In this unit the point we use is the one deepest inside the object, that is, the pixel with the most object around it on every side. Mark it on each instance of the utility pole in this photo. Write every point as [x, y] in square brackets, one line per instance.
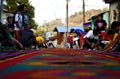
[67, 29]
[118, 10]
[67, 17]
[1, 9]
[83, 11]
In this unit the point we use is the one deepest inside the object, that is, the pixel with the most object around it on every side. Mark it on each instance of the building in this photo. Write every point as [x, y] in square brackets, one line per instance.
[105, 17]
[114, 10]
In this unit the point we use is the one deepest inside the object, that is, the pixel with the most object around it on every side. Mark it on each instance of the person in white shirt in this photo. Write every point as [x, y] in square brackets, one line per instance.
[18, 22]
[92, 39]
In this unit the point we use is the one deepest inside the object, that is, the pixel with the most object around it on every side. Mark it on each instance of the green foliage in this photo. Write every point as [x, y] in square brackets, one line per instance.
[11, 5]
[40, 31]
[33, 24]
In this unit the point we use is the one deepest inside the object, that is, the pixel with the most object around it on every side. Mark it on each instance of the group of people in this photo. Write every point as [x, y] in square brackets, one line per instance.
[17, 31]
[98, 38]
[18, 34]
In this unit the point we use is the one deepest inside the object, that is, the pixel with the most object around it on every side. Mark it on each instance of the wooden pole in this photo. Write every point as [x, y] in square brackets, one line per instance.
[1, 9]
[118, 10]
[67, 30]
[67, 17]
[83, 12]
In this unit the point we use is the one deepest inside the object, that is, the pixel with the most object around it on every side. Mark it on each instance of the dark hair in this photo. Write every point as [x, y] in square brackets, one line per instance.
[110, 32]
[21, 7]
[9, 17]
[95, 31]
[115, 24]
[72, 30]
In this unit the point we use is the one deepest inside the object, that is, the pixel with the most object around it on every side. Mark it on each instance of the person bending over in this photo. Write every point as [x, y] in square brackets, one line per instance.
[6, 35]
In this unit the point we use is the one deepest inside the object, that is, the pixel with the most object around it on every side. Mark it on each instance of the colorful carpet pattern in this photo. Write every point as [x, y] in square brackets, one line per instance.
[61, 64]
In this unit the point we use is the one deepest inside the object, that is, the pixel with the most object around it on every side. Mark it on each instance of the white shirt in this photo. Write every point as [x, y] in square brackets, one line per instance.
[89, 34]
[19, 19]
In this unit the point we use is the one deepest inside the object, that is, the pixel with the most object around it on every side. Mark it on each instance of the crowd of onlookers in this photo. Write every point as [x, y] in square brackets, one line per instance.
[98, 38]
[17, 33]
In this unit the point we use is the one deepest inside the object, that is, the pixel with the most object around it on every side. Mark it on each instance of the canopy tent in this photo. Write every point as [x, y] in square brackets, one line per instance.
[87, 24]
[64, 28]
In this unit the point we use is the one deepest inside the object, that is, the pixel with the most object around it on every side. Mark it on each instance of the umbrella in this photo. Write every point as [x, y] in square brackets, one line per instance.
[79, 31]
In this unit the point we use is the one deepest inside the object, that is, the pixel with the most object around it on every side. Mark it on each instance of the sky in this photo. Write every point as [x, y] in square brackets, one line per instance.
[48, 10]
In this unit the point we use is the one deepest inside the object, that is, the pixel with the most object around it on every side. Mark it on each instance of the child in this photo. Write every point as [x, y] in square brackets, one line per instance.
[71, 37]
[113, 40]
[114, 44]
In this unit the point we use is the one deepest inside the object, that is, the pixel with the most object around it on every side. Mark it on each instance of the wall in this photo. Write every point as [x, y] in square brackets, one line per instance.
[113, 7]
[106, 18]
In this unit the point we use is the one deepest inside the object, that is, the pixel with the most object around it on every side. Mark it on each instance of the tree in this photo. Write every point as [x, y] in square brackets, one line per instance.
[11, 5]
[40, 31]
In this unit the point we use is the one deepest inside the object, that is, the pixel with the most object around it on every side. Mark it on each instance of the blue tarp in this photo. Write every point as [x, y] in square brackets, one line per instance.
[87, 24]
[79, 31]
[64, 28]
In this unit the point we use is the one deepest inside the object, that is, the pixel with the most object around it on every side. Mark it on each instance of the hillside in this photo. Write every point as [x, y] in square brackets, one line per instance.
[77, 18]
[74, 20]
